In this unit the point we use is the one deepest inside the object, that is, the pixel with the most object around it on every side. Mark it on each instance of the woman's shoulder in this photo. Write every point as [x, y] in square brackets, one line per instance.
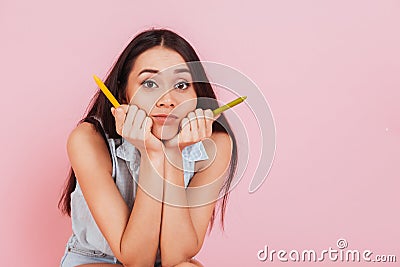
[221, 137]
[219, 144]
[85, 131]
[86, 144]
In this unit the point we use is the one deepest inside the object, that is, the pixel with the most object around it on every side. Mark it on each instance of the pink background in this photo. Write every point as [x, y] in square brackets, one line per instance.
[329, 70]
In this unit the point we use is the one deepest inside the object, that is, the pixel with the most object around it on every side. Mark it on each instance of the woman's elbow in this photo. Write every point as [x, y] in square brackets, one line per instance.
[137, 258]
[137, 261]
[186, 263]
[174, 259]
[134, 254]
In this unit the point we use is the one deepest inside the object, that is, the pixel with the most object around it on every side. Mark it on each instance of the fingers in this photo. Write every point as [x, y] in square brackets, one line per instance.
[201, 122]
[135, 126]
[215, 117]
[185, 131]
[193, 125]
[209, 119]
[130, 117]
[140, 117]
[147, 124]
[197, 125]
[119, 114]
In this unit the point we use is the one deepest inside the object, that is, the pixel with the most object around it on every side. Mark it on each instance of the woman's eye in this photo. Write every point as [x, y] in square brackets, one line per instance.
[182, 85]
[149, 84]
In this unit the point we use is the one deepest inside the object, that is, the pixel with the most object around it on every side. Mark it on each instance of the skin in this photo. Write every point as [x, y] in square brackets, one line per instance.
[164, 92]
[134, 237]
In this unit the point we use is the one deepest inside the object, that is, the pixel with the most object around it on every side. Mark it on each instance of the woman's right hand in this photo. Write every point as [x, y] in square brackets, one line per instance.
[134, 125]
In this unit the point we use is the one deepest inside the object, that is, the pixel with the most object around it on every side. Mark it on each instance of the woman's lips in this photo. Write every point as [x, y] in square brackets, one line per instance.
[164, 119]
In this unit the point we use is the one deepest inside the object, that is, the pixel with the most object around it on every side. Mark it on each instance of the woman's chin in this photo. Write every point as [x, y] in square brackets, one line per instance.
[165, 135]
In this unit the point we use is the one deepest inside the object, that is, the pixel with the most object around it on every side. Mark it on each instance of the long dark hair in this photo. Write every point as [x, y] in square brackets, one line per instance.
[116, 82]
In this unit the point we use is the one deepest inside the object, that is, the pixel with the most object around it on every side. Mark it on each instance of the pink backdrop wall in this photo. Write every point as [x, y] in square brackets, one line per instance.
[329, 70]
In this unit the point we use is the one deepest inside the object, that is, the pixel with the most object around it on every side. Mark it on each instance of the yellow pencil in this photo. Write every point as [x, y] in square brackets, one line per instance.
[229, 105]
[107, 92]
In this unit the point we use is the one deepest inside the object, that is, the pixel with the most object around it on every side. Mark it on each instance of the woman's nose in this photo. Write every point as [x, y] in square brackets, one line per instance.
[166, 100]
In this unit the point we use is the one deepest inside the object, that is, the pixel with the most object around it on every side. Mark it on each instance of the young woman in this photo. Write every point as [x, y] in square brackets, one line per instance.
[145, 177]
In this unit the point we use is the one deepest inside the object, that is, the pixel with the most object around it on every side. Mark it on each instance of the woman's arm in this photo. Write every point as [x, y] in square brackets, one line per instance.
[183, 228]
[133, 237]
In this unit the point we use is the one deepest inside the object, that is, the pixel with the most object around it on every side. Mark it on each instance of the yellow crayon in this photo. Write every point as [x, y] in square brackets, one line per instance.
[107, 92]
[229, 105]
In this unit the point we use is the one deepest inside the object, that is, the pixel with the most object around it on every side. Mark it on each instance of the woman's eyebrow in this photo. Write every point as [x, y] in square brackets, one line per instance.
[156, 71]
[148, 70]
[181, 70]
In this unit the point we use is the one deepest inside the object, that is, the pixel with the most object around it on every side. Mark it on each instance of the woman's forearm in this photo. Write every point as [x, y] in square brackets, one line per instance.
[178, 240]
[140, 239]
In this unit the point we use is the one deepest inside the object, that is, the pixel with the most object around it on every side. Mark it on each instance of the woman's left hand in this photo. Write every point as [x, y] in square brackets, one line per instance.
[196, 127]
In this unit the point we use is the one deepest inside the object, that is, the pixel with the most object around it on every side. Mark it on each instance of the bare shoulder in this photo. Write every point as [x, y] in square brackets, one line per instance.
[86, 147]
[85, 136]
[221, 139]
[219, 145]
[84, 130]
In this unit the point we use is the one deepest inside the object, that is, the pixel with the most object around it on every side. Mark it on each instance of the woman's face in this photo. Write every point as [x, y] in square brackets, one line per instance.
[160, 83]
